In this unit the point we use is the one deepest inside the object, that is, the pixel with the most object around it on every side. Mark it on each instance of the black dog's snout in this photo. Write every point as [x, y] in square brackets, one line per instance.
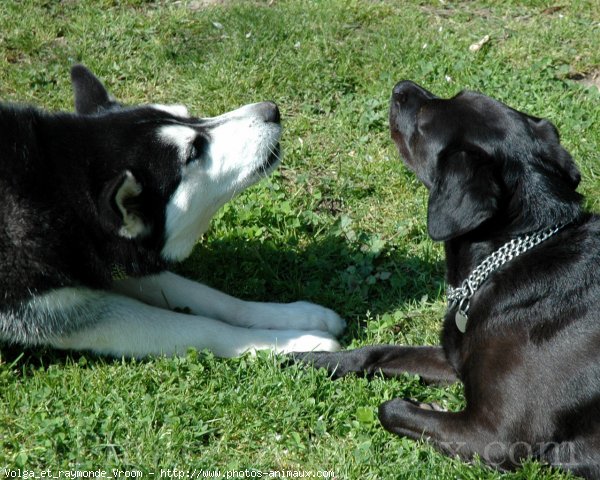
[402, 90]
[269, 112]
[406, 90]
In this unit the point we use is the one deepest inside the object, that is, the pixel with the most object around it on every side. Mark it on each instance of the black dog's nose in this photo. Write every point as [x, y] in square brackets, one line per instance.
[269, 112]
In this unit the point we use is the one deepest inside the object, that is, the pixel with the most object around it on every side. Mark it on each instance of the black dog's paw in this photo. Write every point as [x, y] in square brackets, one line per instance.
[392, 415]
[407, 417]
[426, 406]
[403, 417]
[398, 409]
[390, 412]
[330, 361]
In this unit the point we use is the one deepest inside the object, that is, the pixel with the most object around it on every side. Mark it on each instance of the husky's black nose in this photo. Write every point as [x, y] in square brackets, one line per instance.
[269, 112]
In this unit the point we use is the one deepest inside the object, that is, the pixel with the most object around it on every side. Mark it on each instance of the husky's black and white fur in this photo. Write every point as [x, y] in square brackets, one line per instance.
[130, 189]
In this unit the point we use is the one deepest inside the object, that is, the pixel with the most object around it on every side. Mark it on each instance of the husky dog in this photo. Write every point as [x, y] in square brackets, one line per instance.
[113, 191]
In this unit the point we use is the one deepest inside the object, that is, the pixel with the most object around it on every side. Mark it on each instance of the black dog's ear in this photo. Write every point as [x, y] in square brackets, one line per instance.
[120, 206]
[569, 168]
[90, 94]
[463, 196]
[554, 152]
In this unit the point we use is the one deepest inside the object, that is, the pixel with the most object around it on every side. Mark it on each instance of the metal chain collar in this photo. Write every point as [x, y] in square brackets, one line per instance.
[461, 296]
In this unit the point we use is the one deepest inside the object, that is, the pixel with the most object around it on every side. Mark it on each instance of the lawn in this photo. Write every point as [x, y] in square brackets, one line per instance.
[341, 223]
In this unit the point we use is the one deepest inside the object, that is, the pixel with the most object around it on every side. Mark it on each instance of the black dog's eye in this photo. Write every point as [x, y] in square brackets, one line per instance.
[197, 149]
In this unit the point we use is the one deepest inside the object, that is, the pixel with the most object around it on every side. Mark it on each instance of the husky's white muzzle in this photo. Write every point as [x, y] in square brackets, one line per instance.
[238, 148]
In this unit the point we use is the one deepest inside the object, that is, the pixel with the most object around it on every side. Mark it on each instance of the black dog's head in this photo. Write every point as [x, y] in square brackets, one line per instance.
[483, 162]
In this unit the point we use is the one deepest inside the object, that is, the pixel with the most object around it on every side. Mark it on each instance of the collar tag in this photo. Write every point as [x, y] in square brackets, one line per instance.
[461, 321]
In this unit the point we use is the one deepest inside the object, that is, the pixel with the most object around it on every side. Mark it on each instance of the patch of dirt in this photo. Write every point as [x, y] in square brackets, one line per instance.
[200, 4]
[591, 79]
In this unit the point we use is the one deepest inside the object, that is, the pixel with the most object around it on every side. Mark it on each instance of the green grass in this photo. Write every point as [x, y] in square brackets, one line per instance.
[342, 223]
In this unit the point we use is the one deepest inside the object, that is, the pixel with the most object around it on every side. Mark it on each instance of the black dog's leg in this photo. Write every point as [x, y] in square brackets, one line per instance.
[428, 362]
[469, 433]
[462, 434]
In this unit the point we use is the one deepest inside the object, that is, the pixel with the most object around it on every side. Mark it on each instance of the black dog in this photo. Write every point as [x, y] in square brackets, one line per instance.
[522, 330]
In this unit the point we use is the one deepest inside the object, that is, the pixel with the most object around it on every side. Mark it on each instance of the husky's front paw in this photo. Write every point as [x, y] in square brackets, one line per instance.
[289, 316]
[308, 342]
[309, 316]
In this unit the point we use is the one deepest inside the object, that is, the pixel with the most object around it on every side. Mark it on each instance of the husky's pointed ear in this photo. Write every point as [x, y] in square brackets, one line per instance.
[465, 195]
[120, 206]
[90, 94]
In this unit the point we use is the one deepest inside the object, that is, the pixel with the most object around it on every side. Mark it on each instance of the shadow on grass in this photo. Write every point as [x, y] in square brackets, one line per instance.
[349, 277]
[23, 361]
[352, 278]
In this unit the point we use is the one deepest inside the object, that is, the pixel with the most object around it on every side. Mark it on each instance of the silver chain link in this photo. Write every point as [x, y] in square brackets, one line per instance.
[462, 295]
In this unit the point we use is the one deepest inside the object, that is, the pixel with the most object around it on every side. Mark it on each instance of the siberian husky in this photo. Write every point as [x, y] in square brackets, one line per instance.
[110, 191]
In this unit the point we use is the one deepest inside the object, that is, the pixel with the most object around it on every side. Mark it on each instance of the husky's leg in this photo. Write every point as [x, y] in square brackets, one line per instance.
[168, 290]
[108, 323]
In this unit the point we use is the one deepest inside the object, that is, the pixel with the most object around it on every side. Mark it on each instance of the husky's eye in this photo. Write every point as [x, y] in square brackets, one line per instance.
[197, 149]
[192, 155]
